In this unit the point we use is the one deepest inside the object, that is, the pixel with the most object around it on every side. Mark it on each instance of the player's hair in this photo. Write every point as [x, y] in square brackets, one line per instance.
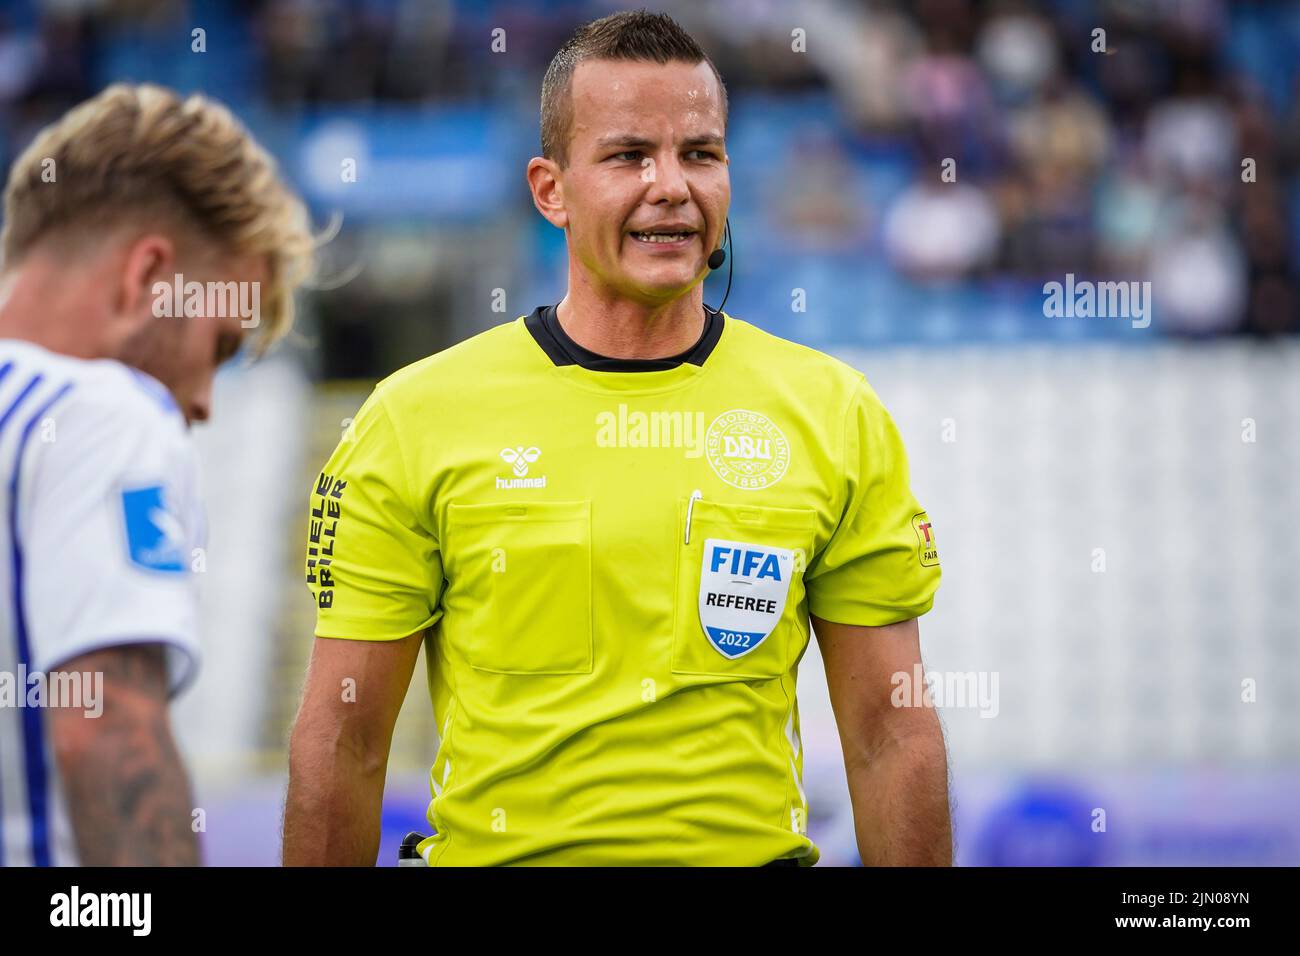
[629, 35]
[142, 156]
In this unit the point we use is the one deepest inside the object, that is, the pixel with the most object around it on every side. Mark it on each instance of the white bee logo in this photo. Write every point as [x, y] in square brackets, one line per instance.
[168, 525]
[521, 458]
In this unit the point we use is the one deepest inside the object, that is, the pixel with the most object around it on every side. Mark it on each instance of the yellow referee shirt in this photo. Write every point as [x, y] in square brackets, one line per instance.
[616, 560]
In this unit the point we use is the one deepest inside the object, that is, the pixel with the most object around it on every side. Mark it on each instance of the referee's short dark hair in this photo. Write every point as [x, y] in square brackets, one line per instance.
[628, 35]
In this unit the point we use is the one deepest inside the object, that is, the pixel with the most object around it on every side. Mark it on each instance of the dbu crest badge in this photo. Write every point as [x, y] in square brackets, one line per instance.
[743, 588]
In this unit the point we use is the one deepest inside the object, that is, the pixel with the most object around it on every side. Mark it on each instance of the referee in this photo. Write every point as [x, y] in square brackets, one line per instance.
[609, 522]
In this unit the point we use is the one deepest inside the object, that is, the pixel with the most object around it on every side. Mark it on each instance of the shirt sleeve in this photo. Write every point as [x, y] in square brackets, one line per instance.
[881, 564]
[373, 568]
[109, 524]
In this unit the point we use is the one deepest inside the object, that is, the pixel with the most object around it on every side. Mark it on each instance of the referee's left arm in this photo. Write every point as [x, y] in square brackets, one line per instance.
[894, 757]
[867, 587]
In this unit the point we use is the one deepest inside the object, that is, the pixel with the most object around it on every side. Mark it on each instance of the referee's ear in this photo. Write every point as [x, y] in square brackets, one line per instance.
[546, 182]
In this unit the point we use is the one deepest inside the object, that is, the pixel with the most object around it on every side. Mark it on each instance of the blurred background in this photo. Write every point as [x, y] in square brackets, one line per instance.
[1116, 502]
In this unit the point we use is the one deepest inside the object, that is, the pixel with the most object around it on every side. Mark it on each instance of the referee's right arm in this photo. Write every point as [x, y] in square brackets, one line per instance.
[374, 574]
[338, 750]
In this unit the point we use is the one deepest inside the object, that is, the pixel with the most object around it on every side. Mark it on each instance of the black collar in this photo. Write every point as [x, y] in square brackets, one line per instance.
[562, 350]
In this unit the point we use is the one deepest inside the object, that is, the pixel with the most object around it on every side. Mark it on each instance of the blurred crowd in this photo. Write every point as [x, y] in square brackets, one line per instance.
[1132, 139]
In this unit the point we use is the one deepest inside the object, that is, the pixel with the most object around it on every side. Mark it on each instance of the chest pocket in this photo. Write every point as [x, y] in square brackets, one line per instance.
[525, 570]
[739, 591]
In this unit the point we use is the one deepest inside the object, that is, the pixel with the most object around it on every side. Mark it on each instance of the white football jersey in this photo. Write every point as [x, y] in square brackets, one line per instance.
[100, 526]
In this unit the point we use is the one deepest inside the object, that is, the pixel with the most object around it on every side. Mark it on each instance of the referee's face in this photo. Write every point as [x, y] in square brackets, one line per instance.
[647, 159]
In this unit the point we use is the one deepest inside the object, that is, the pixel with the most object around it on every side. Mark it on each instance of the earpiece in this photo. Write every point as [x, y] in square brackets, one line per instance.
[718, 256]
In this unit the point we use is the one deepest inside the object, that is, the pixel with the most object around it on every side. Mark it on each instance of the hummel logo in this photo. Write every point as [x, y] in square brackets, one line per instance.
[521, 458]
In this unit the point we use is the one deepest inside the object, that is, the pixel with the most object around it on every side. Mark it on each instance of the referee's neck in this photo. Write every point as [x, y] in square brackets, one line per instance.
[618, 327]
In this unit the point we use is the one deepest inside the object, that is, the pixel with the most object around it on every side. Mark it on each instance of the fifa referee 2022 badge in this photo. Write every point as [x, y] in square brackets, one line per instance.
[610, 523]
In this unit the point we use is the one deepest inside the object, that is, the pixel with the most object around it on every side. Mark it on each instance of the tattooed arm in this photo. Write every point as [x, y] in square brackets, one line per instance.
[127, 791]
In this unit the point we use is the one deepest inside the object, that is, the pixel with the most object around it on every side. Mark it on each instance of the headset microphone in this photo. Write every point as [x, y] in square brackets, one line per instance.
[718, 256]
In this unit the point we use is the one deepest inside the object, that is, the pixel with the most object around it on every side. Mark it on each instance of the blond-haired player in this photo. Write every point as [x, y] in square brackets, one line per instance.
[129, 197]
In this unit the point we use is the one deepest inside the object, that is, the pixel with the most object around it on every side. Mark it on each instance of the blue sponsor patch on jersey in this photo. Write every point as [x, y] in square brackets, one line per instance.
[154, 535]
